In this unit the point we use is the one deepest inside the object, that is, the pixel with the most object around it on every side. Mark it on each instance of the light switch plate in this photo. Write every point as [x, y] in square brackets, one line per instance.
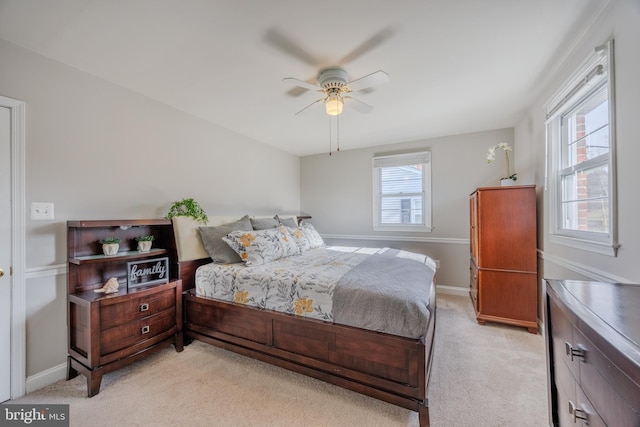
[41, 211]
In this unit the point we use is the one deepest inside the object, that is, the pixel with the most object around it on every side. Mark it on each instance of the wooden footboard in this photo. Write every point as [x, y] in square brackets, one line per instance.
[383, 366]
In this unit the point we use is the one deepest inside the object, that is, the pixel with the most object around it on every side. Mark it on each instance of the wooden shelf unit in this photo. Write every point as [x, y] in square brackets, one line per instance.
[107, 332]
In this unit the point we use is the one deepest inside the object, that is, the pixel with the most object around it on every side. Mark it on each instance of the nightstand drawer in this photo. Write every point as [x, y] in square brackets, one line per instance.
[112, 315]
[126, 335]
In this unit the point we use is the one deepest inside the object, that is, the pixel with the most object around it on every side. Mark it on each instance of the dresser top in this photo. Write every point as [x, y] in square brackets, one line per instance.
[616, 305]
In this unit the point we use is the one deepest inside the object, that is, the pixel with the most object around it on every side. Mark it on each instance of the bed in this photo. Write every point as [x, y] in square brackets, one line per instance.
[292, 309]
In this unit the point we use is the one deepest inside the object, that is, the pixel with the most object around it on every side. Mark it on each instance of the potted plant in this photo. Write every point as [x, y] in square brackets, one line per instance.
[187, 207]
[110, 245]
[144, 243]
[491, 155]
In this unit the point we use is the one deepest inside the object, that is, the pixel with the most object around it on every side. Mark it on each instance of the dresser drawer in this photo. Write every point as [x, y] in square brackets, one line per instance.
[563, 343]
[566, 392]
[127, 335]
[596, 372]
[114, 314]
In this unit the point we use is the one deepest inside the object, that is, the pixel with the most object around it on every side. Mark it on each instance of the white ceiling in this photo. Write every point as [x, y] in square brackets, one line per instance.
[455, 66]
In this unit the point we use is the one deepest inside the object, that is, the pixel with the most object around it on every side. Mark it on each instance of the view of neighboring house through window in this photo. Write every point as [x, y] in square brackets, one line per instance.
[582, 157]
[402, 192]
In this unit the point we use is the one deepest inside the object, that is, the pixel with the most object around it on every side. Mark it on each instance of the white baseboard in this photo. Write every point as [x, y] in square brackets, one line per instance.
[453, 290]
[44, 378]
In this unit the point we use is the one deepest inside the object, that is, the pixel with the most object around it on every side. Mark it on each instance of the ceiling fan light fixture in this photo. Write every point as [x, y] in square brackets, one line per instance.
[334, 106]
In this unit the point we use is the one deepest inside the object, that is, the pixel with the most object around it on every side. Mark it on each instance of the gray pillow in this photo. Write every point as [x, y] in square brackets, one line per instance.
[264, 223]
[287, 222]
[218, 250]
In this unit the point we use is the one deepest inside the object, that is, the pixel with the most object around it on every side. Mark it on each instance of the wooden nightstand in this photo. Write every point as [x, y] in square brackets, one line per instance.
[109, 331]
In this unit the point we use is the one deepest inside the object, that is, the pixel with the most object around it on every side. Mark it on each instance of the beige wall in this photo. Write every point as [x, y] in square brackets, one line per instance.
[337, 192]
[98, 151]
[620, 21]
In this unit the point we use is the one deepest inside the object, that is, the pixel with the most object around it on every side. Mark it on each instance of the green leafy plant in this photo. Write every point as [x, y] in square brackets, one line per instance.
[187, 207]
[109, 240]
[148, 238]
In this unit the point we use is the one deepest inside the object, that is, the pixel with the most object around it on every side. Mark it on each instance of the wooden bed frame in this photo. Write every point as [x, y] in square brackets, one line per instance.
[387, 367]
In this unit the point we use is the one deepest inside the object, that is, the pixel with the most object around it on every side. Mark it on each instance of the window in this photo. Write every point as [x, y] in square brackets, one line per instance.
[581, 152]
[402, 192]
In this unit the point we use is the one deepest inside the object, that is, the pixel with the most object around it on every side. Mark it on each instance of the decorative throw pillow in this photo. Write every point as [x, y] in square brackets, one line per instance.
[300, 238]
[259, 247]
[218, 250]
[315, 240]
[288, 242]
[264, 223]
[287, 222]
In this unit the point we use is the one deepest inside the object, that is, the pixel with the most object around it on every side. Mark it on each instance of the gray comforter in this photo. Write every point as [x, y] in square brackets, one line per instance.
[388, 293]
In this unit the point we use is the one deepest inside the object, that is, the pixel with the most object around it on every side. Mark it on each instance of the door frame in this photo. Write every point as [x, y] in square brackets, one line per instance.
[18, 253]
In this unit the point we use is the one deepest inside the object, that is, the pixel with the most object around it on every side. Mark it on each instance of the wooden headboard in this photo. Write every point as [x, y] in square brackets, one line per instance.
[190, 250]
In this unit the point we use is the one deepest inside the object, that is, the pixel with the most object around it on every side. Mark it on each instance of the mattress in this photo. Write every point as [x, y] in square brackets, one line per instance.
[380, 289]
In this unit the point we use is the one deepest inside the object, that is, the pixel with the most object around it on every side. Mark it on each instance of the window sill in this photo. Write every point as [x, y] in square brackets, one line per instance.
[586, 245]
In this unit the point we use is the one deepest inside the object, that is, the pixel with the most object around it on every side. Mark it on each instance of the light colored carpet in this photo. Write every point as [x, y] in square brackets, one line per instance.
[482, 376]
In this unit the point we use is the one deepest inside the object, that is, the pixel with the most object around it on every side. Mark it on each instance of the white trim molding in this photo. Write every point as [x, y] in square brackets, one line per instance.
[46, 377]
[442, 240]
[585, 270]
[453, 290]
[46, 271]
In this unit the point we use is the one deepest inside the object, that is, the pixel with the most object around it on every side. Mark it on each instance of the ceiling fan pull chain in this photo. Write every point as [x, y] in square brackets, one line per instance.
[330, 135]
[338, 132]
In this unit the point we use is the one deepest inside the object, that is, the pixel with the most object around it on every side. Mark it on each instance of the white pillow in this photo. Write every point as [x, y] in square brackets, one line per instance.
[315, 240]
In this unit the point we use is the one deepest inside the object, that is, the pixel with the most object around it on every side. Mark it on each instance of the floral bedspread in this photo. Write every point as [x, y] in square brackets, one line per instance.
[305, 285]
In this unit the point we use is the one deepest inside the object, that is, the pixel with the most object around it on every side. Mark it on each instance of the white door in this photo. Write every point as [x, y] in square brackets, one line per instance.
[5, 254]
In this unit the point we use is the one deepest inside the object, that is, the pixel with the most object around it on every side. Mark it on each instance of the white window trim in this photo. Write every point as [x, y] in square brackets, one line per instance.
[568, 95]
[426, 226]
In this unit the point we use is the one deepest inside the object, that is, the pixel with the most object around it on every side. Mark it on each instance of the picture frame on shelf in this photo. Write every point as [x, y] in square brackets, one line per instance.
[147, 272]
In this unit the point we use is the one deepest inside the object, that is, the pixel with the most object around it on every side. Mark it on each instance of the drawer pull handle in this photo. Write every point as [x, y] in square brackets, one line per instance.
[144, 307]
[573, 352]
[144, 330]
[576, 414]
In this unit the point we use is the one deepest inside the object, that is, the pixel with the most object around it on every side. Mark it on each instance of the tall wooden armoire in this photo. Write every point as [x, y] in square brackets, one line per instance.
[503, 255]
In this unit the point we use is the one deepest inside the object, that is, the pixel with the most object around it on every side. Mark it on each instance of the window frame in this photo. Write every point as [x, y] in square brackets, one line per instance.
[585, 84]
[397, 160]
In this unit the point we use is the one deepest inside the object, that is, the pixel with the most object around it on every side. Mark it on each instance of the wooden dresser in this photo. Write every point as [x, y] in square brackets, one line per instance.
[108, 331]
[593, 353]
[503, 283]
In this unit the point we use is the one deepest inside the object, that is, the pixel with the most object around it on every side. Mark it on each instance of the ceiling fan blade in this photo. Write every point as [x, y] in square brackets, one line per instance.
[357, 105]
[368, 81]
[284, 43]
[309, 106]
[296, 82]
[369, 44]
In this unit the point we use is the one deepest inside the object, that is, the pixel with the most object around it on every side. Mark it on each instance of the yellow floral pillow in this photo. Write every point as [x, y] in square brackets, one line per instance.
[259, 247]
[300, 238]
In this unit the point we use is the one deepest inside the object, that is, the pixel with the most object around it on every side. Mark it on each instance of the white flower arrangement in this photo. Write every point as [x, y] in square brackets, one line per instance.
[491, 156]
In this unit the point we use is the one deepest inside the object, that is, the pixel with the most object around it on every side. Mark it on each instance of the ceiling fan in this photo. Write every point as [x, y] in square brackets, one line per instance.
[336, 88]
